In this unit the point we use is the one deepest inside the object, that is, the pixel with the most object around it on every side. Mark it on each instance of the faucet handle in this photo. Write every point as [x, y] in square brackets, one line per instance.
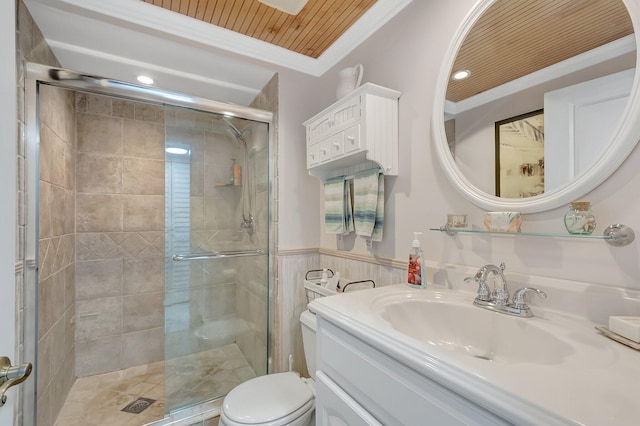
[518, 296]
[483, 290]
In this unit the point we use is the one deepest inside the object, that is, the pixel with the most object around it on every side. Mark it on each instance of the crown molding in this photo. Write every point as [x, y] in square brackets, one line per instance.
[149, 19]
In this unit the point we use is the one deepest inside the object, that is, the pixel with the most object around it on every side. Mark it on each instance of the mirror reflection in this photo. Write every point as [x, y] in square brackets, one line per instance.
[547, 83]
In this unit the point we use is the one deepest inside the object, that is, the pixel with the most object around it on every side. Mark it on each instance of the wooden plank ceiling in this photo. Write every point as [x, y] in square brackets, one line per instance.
[514, 38]
[310, 33]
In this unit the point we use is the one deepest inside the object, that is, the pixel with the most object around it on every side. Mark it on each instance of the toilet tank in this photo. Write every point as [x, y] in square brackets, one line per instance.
[309, 327]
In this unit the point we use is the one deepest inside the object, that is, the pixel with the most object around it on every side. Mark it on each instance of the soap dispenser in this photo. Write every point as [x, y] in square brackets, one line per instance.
[325, 278]
[416, 264]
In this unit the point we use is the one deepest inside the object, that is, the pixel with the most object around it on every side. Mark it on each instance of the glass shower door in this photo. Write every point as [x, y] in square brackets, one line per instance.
[216, 262]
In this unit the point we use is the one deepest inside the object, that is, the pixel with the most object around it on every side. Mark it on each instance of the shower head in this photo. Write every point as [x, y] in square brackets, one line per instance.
[235, 131]
[247, 217]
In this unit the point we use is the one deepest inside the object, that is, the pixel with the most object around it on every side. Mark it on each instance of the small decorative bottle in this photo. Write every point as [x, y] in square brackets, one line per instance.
[580, 218]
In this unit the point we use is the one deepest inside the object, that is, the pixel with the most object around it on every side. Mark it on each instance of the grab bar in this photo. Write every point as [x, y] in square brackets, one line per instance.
[217, 255]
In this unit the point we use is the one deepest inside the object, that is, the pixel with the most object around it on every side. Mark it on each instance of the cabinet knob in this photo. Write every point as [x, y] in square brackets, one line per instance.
[313, 156]
[351, 139]
[336, 145]
[323, 150]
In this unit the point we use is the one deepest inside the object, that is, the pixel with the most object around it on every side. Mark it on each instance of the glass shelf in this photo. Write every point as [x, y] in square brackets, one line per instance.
[616, 235]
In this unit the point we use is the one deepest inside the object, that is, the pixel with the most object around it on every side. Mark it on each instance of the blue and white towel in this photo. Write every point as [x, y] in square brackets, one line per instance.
[368, 204]
[338, 216]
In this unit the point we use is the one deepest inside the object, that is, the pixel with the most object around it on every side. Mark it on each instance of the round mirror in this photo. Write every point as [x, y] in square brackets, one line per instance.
[548, 109]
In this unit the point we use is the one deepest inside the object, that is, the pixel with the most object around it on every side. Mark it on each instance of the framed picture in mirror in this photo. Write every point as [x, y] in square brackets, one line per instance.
[519, 155]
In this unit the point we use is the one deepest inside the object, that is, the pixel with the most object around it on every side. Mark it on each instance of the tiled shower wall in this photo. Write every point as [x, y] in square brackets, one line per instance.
[119, 234]
[31, 46]
[56, 286]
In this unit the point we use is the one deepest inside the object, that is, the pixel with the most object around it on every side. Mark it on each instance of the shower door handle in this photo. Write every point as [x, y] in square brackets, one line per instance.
[217, 255]
[11, 376]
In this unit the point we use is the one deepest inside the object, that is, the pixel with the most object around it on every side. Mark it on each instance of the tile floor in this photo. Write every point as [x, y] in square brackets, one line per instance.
[190, 379]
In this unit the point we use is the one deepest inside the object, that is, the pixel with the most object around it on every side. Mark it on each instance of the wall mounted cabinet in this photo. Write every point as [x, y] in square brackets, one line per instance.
[361, 127]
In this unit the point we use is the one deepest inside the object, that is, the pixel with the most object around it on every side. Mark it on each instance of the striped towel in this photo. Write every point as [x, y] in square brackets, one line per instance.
[368, 204]
[338, 218]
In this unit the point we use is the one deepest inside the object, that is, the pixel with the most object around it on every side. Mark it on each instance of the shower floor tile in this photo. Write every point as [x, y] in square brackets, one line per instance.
[97, 400]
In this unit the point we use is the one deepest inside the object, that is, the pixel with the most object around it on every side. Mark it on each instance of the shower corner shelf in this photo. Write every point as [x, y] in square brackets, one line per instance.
[617, 235]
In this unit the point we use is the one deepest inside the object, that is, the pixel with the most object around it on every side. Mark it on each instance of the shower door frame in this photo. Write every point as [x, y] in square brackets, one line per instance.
[36, 74]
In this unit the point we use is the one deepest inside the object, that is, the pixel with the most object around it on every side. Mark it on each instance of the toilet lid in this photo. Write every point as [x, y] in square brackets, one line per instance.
[266, 398]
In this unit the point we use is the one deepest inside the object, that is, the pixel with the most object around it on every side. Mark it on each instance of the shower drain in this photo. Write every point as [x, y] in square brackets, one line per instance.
[138, 406]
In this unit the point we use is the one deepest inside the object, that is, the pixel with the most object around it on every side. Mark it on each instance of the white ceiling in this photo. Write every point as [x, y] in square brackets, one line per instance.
[120, 39]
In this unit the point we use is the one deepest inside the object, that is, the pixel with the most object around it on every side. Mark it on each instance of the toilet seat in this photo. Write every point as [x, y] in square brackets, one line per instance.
[274, 399]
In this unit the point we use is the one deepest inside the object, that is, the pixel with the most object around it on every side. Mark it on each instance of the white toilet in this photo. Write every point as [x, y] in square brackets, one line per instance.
[277, 399]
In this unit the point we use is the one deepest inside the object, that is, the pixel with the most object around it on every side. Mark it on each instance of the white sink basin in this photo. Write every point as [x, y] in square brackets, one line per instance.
[552, 363]
[456, 325]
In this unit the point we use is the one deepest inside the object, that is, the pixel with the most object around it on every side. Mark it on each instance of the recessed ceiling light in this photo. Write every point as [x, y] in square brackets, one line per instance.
[461, 75]
[176, 150]
[292, 7]
[144, 79]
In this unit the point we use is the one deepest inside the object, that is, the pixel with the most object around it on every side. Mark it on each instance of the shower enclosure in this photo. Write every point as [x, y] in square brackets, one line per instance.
[151, 231]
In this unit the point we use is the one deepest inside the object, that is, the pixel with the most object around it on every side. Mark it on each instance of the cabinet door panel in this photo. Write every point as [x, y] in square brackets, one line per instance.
[346, 113]
[390, 391]
[319, 128]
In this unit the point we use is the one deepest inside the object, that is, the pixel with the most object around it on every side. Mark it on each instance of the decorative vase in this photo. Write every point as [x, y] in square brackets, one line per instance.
[580, 219]
[348, 80]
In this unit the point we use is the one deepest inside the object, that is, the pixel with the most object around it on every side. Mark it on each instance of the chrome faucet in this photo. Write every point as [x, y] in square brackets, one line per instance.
[500, 293]
[498, 299]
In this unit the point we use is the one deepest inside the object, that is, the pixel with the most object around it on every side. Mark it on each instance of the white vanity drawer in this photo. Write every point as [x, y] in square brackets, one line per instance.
[391, 392]
[337, 145]
[352, 138]
[335, 407]
[324, 150]
[313, 155]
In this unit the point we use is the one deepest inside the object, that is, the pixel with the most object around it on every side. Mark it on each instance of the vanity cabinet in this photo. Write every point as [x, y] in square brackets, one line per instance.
[361, 127]
[361, 382]
[337, 407]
